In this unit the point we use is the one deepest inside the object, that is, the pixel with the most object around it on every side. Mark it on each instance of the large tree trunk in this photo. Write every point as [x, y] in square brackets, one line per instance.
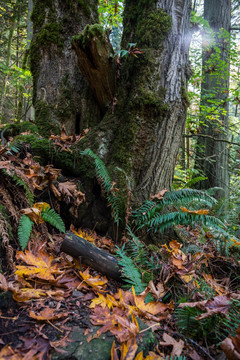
[140, 115]
[60, 93]
[212, 154]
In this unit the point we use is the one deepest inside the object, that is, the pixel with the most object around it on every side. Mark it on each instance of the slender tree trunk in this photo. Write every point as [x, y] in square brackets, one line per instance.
[212, 156]
[8, 56]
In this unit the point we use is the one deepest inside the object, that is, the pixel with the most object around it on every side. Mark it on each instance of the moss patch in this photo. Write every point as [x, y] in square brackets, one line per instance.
[89, 32]
[153, 28]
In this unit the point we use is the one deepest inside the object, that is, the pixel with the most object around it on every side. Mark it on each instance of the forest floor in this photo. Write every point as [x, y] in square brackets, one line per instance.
[52, 306]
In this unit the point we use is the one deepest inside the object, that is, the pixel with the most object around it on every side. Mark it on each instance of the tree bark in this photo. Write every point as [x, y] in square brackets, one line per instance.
[212, 156]
[136, 119]
[60, 92]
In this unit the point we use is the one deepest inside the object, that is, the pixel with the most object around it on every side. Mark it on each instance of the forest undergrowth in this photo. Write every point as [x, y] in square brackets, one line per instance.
[180, 268]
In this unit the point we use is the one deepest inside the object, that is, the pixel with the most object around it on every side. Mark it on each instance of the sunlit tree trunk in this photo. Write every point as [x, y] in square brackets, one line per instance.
[212, 153]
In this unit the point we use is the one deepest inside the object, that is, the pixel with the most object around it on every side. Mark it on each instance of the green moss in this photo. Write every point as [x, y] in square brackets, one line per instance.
[88, 33]
[44, 119]
[50, 34]
[39, 12]
[71, 164]
[153, 28]
[185, 97]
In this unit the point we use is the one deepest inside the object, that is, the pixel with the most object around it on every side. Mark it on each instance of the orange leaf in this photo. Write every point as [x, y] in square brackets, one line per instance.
[47, 314]
[95, 282]
[198, 212]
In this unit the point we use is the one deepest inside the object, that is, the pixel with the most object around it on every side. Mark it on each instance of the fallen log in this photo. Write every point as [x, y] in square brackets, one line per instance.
[91, 255]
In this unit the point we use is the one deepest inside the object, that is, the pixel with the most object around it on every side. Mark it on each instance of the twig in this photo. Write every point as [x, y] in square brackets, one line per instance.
[194, 343]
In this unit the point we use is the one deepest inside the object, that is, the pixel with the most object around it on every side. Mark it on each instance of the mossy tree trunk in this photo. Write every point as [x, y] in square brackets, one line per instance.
[61, 94]
[137, 118]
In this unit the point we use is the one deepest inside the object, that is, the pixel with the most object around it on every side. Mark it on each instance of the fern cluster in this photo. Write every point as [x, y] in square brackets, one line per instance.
[26, 224]
[162, 215]
[105, 180]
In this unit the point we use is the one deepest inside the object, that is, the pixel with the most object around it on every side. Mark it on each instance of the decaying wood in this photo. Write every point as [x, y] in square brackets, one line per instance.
[96, 64]
[91, 255]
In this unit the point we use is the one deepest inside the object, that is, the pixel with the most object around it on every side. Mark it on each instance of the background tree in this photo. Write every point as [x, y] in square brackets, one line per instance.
[211, 152]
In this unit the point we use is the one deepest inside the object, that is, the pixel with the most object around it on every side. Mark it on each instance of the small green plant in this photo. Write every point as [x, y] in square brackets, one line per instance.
[45, 213]
[131, 273]
[105, 180]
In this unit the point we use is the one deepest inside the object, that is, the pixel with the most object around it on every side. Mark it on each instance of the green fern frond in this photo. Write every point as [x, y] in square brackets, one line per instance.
[21, 182]
[105, 179]
[28, 192]
[162, 222]
[50, 216]
[137, 250]
[131, 273]
[24, 230]
[172, 198]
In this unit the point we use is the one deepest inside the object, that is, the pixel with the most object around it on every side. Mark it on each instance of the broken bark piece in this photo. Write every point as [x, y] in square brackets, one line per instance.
[91, 255]
[95, 60]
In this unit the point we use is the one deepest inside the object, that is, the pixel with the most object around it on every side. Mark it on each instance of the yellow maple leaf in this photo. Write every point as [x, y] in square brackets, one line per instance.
[40, 265]
[103, 301]
[153, 307]
[94, 282]
[83, 234]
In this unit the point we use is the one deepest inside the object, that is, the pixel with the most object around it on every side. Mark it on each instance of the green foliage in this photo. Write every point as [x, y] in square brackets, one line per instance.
[131, 273]
[24, 230]
[196, 329]
[216, 327]
[105, 180]
[26, 224]
[161, 215]
[50, 216]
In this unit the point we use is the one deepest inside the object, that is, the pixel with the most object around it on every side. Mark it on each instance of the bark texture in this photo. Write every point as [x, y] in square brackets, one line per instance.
[136, 111]
[212, 156]
[155, 101]
[61, 94]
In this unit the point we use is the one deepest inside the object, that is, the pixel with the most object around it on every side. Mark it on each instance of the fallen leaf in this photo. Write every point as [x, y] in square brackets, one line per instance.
[159, 195]
[47, 314]
[198, 212]
[177, 345]
[94, 282]
[41, 268]
[219, 305]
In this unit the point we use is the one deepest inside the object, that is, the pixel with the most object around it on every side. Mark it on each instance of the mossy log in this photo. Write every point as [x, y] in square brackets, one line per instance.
[91, 255]
[95, 60]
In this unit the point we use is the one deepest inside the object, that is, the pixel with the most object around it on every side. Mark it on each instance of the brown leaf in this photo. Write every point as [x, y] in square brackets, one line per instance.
[220, 304]
[230, 350]
[157, 291]
[159, 195]
[47, 314]
[177, 345]
[3, 283]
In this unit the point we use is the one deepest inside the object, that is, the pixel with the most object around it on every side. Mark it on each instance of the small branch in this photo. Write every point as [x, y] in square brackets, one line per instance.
[213, 138]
